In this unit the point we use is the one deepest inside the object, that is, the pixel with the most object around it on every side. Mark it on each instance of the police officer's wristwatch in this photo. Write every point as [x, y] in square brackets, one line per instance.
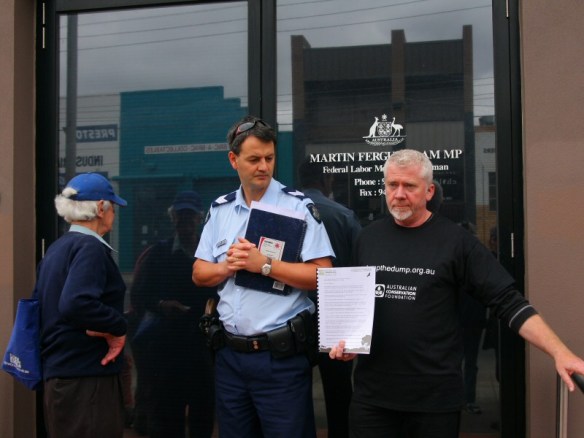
[267, 268]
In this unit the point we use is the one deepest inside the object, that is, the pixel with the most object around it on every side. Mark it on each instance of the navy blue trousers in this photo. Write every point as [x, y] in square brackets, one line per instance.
[259, 396]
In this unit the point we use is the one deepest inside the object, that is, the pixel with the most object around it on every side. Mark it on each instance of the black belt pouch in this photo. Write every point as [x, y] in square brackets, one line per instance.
[281, 342]
[304, 329]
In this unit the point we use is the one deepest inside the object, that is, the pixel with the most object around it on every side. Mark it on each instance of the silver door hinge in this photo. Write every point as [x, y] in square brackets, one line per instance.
[512, 245]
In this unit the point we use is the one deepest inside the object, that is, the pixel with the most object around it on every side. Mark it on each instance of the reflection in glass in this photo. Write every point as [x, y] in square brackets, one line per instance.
[146, 97]
[357, 81]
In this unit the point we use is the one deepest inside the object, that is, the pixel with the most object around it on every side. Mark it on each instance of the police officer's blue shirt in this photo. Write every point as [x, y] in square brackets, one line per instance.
[247, 311]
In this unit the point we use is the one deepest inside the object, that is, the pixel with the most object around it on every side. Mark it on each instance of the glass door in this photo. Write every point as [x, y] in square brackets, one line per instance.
[146, 97]
[357, 81]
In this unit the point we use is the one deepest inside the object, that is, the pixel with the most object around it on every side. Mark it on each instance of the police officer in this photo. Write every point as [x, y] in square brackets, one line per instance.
[258, 392]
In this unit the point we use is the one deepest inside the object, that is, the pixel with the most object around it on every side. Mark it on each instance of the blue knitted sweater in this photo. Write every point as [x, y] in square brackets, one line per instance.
[79, 288]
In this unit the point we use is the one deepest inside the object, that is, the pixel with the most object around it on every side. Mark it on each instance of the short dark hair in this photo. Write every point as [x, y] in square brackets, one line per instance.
[435, 202]
[260, 129]
[310, 174]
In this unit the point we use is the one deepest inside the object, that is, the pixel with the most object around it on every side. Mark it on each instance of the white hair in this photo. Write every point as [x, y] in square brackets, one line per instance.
[411, 157]
[72, 210]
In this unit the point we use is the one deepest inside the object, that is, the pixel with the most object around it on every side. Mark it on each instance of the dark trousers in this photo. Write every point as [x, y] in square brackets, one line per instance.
[337, 388]
[84, 407]
[173, 377]
[471, 337]
[172, 393]
[367, 421]
[259, 396]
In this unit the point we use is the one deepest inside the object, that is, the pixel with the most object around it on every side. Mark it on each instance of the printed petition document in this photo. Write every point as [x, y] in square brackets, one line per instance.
[346, 301]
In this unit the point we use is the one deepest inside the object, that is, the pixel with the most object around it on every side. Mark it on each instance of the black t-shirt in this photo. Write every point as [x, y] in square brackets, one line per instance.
[416, 350]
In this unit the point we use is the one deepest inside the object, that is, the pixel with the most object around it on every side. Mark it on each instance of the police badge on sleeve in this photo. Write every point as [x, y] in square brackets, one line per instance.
[314, 212]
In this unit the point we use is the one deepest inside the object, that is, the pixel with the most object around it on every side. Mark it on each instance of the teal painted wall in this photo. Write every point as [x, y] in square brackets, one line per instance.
[174, 117]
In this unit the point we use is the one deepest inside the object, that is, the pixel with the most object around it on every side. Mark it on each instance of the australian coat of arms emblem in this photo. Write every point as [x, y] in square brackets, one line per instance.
[384, 133]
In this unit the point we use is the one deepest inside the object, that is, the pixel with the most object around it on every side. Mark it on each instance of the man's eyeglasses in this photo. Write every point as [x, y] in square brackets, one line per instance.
[246, 127]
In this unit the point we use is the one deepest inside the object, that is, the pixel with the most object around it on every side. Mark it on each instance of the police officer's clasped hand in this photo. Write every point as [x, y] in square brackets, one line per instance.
[244, 255]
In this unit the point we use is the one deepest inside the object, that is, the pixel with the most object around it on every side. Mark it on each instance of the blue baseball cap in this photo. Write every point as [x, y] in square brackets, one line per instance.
[188, 200]
[94, 187]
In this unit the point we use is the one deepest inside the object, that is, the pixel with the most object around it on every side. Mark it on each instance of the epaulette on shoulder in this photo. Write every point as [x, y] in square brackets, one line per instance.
[293, 192]
[225, 199]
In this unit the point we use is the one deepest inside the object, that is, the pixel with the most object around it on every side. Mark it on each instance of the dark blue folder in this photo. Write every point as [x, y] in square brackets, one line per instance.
[266, 224]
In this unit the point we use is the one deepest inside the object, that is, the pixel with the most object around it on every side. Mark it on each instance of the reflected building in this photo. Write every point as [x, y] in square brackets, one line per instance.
[340, 94]
[171, 140]
[485, 177]
[152, 144]
[424, 88]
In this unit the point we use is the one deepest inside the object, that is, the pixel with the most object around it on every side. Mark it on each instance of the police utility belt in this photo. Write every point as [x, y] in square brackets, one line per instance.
[298, 335]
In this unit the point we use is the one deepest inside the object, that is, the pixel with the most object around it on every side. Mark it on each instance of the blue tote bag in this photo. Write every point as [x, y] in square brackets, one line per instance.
[22, 359]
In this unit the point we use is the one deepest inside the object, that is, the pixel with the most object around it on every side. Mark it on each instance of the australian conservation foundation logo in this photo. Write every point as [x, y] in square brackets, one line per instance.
[384, 133]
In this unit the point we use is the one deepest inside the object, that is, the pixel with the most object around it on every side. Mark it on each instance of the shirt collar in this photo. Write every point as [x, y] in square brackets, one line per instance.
[177, 246]
[312, 192]
[84, 230]
[270, 196]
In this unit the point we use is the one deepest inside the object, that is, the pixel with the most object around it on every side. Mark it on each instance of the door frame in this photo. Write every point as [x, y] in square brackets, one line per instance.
[510, 215]
[262, 66]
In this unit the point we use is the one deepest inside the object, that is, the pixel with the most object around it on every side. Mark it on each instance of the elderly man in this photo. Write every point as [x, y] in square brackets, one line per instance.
[412, 380]
[263, 377]
[83, 330]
